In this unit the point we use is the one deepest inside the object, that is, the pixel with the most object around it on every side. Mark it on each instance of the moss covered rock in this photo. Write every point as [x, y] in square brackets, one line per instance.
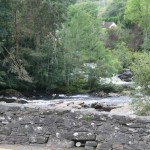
[10, 93]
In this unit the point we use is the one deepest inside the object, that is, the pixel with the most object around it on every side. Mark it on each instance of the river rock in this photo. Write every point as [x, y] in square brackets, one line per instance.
[103, 107]
[126, 75]
[13, 100]
[113, 95]
[100, 94]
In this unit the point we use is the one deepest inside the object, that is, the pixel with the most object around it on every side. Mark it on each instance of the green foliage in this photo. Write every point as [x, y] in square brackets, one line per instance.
[144, 109]
[87, 117]
[111, 38]
[34, 25]
[124, 55]
[141, 69]
[110, 19]
[132, 36]
[10, 92]
[5, 18]
[45, 60]
[146, 43]
[51, 43]
[115, 10]
[138, 12]
[108, 88]
[80, 38]
[141, 105]
[3, 78]
[141, 17]
[5, 34]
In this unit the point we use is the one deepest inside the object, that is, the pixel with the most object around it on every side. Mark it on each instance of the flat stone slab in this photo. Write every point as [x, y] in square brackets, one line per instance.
[84, 136]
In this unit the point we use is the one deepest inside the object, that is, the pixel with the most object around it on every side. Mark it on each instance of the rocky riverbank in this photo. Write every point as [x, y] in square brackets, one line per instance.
[102, 102]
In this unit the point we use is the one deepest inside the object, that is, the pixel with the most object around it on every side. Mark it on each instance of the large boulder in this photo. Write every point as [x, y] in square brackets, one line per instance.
[126, 75]
[13, 100]
[12, 96]
[10, 93]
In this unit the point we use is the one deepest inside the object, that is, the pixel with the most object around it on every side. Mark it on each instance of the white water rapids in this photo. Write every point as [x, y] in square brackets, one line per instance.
[115, 100]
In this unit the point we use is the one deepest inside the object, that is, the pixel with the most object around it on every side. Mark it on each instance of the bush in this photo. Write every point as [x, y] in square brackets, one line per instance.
[141, 70]
[124, 55]
[108, 88]
[141, 105]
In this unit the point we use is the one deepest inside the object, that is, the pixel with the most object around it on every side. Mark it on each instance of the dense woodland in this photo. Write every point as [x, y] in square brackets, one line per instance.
[47, 45]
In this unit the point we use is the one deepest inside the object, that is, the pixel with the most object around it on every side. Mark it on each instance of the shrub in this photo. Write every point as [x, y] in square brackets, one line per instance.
[141, 70]
[124, 55]
[108, 88]
[141, 105]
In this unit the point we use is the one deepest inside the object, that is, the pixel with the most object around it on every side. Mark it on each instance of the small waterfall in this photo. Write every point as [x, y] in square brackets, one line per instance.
[115, 80]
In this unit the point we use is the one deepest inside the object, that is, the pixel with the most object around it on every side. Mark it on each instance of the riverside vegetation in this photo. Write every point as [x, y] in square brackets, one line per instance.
[48, 46]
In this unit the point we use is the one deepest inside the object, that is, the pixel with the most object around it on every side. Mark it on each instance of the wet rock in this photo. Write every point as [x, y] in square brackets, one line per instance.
[77, 107]
[13, 100]
[103, 107]
[86, 105]
[126, 75]
[100, 94]
[97, 105]
[113, 94]
[21, 101]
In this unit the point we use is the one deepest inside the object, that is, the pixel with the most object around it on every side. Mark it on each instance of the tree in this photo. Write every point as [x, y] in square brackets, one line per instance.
[5, 36]
[32, 27]
[115, 11]
[80, 39]
[5, 19]
[39, 18]
[137, 11]
[141, 70]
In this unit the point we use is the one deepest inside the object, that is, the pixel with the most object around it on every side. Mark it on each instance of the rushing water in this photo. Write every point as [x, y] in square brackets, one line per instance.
[116, 100]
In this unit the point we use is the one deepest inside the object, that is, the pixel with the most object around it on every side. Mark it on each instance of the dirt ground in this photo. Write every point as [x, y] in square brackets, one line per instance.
[32, 147]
